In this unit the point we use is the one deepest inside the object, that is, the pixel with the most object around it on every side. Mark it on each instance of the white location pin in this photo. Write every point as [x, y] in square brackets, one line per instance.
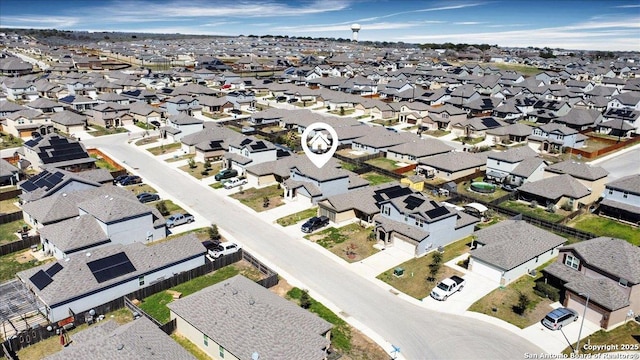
[322, 146]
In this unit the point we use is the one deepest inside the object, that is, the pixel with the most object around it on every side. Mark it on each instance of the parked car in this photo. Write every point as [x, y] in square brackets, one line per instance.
[119, 178]
[226, 174]
[224, 248]
[314, 224]
[155, 123]
[559, 317]
[281, 99]
[252, 109]
[179, 219]
[236, 111]
[233, 182]
[447, 287]
[292, 100]
[146, 197]
[130, 180]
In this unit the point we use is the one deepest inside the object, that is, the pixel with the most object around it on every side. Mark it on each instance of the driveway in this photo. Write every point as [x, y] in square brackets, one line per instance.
[384, 317]
[556, 341]
[381, 261]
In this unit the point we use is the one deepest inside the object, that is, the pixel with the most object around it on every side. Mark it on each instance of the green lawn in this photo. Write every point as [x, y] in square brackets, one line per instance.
[386, 122]
[190, 347]
[463, 188]
[383, 163]
[375, 178]
[499, 303]
[8, 230]
[156, 304]
[416, 271]
[297, 217]
[197, 172]
[627, 334]
[348, 166]
[140, 188]
[144, 126]
[100, 131]
[341, 332]
[352, 242]
[217, 185]
[11, 264]
[536, 212]
[9, 141]
[8, 206]
[254, 198]
[602, 226]
[436, 133]
[162, 149]
[102, 164]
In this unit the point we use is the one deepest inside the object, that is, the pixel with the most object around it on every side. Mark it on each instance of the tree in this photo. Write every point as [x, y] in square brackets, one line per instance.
[523, 303]
[437, 258]
[434, 267]
[305, 299]
[214, 234]
[207, 164]
[162, 208]
[341, 110]
[192, 163]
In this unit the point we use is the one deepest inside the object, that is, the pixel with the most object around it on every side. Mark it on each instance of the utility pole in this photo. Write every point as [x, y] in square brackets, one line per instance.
[584, 313]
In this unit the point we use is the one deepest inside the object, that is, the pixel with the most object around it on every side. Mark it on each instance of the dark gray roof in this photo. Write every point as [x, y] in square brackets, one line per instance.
[75, 233]
[580, 117]
[513, 242]
[6, 168]
[455, 161]
[513, 155]
[184, 119]
[67, 117]
[412, 232]
[137, 340]
[76, 279]
[614, 256]
[421, 148]
[556, 187]
[578, 170]
[630, 184]
[109, 209]
[243, 317]
[527, 166]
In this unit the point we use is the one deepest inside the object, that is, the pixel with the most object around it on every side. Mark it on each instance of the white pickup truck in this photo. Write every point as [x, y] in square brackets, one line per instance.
[447, 287]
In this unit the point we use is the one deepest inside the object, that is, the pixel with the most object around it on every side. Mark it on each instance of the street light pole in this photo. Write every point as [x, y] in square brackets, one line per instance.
[584, 314]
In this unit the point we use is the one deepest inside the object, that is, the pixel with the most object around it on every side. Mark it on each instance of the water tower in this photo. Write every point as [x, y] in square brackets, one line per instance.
[355, 28]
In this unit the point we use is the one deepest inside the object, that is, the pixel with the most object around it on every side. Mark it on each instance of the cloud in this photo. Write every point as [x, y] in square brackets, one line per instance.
[344, 27]
[37, 21]
[627, 6]
[469, 23]
[441, 8]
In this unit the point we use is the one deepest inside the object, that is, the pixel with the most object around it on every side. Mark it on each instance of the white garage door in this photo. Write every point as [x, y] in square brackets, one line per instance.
[487, 271]
[404, 246]
[592, 315]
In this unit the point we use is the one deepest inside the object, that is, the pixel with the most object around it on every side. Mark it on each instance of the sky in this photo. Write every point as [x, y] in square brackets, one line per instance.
[570, 24]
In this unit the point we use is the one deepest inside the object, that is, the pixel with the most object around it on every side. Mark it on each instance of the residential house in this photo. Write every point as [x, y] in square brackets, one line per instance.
[379, 139]
[182, 105]
[27, 122]
[546, 110]
[415, 150]
[509, 135]
[561, 191]
[247, 151]
[85, 280]
[9, 174]
[580, 119]
[453, 165]
[415, 224]
[476, 127]
[593, 178]
[78, 102]
[218, 319]
[110, 114]
[214, 104]
[45, 106]
[555, 138]
[211, 143]
[144, 113]
[69, 122]
[621, 199]
[19, 89]
[179, 126]
[626, 119]
[55, 151]
[443, 118]
[628, 100]
[242, 99]
[138, 339]
[52, 181]
[607, 271]
[514, 166]
[510, 249]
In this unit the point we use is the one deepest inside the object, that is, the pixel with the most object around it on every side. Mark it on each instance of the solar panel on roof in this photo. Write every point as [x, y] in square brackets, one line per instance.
[413, 202]
[437, 212]
[29, 186]
[54, 269]
[41, 280]
[111, 267]
[259, 146]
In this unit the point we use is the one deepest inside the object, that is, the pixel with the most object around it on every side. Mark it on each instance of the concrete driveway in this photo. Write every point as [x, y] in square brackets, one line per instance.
[381, 261]
[558, 340]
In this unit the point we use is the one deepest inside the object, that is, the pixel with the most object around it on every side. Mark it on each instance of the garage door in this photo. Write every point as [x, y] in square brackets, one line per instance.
[480, 268]
[592, 315]
[404, 246]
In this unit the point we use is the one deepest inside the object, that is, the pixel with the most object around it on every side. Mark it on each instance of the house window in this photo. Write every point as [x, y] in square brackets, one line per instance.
[610, 191]
[623, 282]
[221, 350]
[572, 262]
[206, 340]
[625, 194]
[498, 162]
[141, 280]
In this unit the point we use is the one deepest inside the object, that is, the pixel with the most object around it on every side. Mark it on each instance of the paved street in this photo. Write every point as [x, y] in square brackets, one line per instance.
[627, 163]
[385, 317]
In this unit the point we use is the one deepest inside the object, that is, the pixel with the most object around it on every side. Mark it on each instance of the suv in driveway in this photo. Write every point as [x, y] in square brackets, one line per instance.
[224, 248]
[314, 224]
[179, 219]
[226, 174]
[130, 180]
[559, 317]
[147, 197]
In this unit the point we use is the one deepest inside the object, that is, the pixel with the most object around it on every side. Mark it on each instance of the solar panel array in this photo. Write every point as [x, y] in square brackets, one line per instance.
[54, 269]
[412, 202]
[258, 145]
[41, 279]
[437, 212]
[111, 267]
[392, 192]
[60, 149]
[45, 179]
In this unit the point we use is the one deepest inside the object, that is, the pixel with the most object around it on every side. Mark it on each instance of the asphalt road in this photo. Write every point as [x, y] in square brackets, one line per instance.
[622, 165]
[420, 333]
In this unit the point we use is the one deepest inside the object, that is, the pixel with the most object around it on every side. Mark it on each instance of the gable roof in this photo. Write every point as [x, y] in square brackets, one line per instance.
[556, 187]
[614, 256]
[243, 317]
[511, 243]
[455, 161]
[513, 155]
[578, 170]
[629, 184]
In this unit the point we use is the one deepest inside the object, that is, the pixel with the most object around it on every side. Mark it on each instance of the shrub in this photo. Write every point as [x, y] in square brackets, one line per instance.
[305, 300]
[192, 164]
[521, 306]
[214, 234]
[566, 206]
[547, 291]
[207, 164]
[162, 208]
[533, 204]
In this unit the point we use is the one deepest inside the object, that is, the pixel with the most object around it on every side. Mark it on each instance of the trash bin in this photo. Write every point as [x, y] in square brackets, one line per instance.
[398, 271]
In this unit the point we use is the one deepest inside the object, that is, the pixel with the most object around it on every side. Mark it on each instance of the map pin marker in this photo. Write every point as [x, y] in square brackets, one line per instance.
[319, 142]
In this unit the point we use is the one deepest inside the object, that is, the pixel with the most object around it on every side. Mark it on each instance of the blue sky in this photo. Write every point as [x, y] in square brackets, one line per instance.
[586, 24]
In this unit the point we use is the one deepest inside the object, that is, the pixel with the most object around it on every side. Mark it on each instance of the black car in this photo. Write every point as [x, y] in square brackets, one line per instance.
[236, 111]
[155, 123]
[226, 174]
[119, 178]
[314, 223]
[293, 100]
[130, 180]
[148, 197]
[281, 99]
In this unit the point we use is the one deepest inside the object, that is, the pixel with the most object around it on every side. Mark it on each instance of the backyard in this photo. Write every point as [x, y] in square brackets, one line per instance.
[9, 141]
[103, 164]
[8, 206]
[8, 231]
[416, 271]
[156, 304]
[384, 163]
[13, 263]
[602, 226]
[375, 178]
[536, 212]
[351, 243]
[255, 198]
[297, 217]
[500, 302]
[463, 188]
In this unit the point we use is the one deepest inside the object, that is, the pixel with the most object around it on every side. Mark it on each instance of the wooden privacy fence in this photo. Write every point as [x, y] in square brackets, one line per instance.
[18, 245]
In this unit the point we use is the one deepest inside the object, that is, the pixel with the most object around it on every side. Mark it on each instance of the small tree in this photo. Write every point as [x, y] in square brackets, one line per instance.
[437, 258]
[207, 164]
[341, 110]
[523, 303]
[192, 163]
[305, 299]
[162, 208]
[214, 234]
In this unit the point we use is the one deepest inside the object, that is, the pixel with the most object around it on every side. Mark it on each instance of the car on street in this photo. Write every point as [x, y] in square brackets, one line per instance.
[314, 224]
[130, 180]
[146, 197]
[226, 174]
[224, 248]
[233, 182]
[559, 317]
[179, 219]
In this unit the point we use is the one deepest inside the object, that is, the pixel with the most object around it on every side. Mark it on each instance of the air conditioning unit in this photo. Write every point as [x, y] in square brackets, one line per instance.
[533, 272]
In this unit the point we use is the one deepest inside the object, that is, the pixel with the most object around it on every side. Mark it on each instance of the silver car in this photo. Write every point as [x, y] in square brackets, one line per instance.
[559, 317]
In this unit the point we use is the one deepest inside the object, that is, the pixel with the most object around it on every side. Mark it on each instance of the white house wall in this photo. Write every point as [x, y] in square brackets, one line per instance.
[197, 338]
